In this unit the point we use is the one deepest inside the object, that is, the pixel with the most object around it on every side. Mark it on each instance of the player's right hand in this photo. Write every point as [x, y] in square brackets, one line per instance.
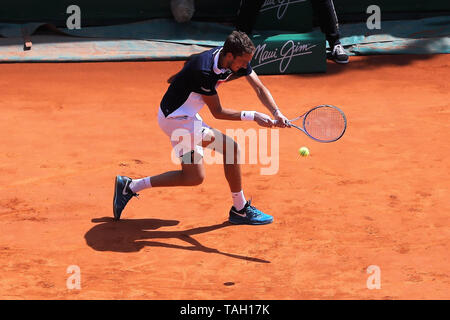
[263, 120]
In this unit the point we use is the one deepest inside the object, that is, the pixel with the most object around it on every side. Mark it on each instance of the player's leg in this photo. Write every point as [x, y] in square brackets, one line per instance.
[242, 212]
[220, 142]
[186, 146]
[192, 173]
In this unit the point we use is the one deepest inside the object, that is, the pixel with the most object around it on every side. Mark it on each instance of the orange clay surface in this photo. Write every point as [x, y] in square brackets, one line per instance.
[379, 196]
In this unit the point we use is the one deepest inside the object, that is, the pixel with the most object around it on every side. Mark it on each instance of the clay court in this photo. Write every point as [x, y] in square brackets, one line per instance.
[375, 197]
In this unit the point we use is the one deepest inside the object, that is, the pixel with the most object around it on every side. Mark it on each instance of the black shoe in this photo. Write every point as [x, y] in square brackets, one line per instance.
[338, 54]
[122, 194]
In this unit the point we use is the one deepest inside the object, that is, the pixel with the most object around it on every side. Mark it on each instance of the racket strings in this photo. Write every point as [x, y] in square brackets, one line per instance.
[325, 123]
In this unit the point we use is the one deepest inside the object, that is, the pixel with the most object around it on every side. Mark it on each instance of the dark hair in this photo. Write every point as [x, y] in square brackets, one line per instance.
[238, 43]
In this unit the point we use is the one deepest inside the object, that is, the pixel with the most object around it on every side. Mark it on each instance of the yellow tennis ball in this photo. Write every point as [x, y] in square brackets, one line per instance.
[303, 151]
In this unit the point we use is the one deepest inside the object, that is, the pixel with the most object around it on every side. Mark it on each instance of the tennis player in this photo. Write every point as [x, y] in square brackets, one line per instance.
[190, 89]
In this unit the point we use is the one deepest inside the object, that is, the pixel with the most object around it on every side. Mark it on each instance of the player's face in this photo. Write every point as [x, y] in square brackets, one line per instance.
[239, 62]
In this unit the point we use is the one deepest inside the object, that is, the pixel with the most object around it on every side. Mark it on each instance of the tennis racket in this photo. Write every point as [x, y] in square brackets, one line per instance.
[324, 123]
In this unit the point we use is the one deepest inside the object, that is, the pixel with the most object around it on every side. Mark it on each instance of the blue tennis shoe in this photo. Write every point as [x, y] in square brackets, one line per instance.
[249, 215]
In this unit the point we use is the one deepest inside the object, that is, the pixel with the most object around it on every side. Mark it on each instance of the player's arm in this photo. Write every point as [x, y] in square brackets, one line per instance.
[218, 112]
[202, 84]
[266, 99]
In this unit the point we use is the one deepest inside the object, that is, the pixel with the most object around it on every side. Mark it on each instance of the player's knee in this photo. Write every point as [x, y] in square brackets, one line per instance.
[195, 180]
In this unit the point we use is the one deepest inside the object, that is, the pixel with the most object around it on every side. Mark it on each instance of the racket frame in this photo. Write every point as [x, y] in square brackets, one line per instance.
[305, 115]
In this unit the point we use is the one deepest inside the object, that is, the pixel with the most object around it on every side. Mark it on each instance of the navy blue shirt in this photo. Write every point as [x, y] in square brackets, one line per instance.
[200, 76]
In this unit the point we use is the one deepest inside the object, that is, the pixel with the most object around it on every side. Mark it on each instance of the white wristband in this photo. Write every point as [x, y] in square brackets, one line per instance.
[248, 115]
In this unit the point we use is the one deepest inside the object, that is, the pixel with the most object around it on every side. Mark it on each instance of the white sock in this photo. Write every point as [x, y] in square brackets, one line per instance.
[238, 200]
[137, 185]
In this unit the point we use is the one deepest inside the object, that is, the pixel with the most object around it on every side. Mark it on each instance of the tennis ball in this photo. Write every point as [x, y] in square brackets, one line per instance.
[303, 151]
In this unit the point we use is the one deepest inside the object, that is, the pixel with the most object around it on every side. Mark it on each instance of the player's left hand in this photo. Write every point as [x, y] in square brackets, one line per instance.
[280, 120]
[264, 120]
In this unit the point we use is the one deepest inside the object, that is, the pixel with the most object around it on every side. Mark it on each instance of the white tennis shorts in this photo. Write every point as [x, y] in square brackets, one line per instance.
[186, 133]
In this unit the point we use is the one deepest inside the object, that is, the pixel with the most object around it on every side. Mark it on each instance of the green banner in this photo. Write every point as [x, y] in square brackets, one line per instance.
[289, 53]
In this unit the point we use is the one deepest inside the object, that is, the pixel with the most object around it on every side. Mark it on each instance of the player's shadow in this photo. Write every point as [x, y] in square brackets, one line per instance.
[132, 235]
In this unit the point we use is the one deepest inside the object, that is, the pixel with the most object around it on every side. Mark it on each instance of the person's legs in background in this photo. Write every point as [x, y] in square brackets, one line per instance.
[323, 9]
[247, 15]
[328, 21]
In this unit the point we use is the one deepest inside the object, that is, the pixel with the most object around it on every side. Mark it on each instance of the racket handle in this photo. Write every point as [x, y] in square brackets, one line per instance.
[275, 121]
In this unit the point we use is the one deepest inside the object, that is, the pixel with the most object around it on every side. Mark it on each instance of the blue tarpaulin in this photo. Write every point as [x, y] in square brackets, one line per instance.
[164, 39]
[422, 36]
